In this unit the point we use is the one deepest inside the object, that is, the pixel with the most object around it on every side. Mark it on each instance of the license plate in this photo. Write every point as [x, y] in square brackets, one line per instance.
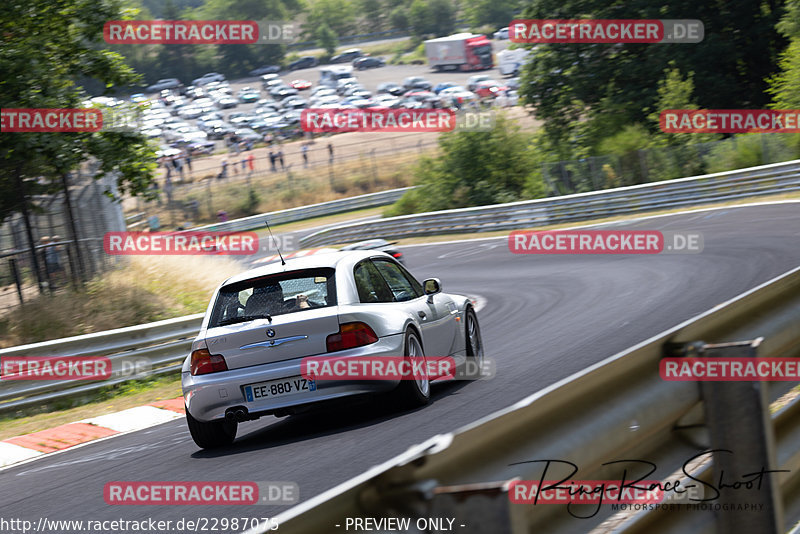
[278, 388]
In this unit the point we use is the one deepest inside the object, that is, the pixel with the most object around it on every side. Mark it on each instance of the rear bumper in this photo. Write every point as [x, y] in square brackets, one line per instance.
[208, 396]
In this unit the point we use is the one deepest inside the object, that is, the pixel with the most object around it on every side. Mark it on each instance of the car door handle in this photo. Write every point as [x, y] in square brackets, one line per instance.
[421, 315]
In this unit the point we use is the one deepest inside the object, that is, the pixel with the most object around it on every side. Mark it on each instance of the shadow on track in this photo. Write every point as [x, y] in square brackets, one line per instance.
[334, 418]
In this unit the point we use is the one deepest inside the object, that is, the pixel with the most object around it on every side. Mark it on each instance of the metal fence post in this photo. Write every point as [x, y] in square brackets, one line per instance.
[738, 419]
[17, 281]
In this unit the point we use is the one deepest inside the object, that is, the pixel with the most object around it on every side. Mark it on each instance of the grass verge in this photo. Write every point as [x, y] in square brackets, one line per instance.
[140, 289]
[107, 400]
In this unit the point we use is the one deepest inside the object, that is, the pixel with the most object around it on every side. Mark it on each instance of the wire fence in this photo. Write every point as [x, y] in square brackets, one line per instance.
[212, 188]
[62, 257]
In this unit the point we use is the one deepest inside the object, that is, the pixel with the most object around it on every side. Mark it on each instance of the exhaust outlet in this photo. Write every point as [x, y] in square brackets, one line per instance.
[241, 415]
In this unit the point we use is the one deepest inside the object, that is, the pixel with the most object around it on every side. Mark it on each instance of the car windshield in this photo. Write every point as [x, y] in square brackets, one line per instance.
[268, 296]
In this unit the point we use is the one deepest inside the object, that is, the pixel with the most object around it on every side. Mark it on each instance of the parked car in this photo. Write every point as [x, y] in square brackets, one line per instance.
[300, 85]
[247, 360]
[201, 148]
[245, 134]
[347, 56]
[391, 88]
[248, 95]
[377, 244]
[472, 81]
[166, 83]
[195, 92]
[305, 62]
[219, 130]
[282, 91]
[457, 96]
[489, 88]
[502, 33]
[226, 102]
[417, 83]
[265, 69]
[368, 63]
[208, 78]
[439, 87]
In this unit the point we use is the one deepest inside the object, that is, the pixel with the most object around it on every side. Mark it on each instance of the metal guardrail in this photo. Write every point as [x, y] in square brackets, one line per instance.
[155, 348]
[135, 352]
[332, 207]
[617, 409]
[710, 188]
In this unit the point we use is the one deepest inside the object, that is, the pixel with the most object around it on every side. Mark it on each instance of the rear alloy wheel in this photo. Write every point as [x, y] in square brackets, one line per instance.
[472, 331]
[414, 391]
[211, 435]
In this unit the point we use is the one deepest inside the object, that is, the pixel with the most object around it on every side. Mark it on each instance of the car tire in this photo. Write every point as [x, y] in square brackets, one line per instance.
[474, 342]
[211, 435]
[413, 393]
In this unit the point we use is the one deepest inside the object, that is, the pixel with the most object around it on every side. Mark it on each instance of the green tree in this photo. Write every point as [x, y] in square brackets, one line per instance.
[435, 17]
[371, 14]
[340, 15]
[398, 18]
[327, 39]
[475, 168]
[43, 53]
[494, 12]
[444, 17]
[570, 84]
[785, 86]
[236, 60]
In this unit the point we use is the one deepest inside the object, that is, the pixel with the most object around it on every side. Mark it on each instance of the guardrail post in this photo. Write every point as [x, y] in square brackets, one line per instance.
[738, 419]
[480, 507]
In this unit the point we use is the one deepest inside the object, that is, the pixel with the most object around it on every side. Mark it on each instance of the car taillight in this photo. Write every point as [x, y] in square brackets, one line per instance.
[351, 335]
[397, 255]
[203, 362]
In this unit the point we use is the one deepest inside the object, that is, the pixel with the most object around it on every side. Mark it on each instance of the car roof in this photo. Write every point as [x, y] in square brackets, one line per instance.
[336, 260]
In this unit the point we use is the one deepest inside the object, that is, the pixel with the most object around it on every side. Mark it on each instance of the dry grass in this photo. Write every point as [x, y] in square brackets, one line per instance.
[140, 290]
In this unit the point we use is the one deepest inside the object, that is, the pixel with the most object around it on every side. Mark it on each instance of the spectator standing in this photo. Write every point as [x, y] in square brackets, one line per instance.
[330, 153]
[305, 155]
[272, 159]
[280, 158]
[178, 163]
[224, 172]
[251, 162]
[52, 262]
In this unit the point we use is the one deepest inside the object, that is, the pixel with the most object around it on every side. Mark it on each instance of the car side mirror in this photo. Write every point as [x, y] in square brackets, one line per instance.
[432, 286]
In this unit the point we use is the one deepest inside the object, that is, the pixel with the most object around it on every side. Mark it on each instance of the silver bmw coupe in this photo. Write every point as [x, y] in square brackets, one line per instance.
[264, 325]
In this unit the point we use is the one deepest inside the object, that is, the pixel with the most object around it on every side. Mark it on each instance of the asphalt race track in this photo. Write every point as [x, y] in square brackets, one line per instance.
[545, 318]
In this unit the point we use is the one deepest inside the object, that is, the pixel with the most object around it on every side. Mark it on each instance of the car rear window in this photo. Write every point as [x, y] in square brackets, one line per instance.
[274, 295]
